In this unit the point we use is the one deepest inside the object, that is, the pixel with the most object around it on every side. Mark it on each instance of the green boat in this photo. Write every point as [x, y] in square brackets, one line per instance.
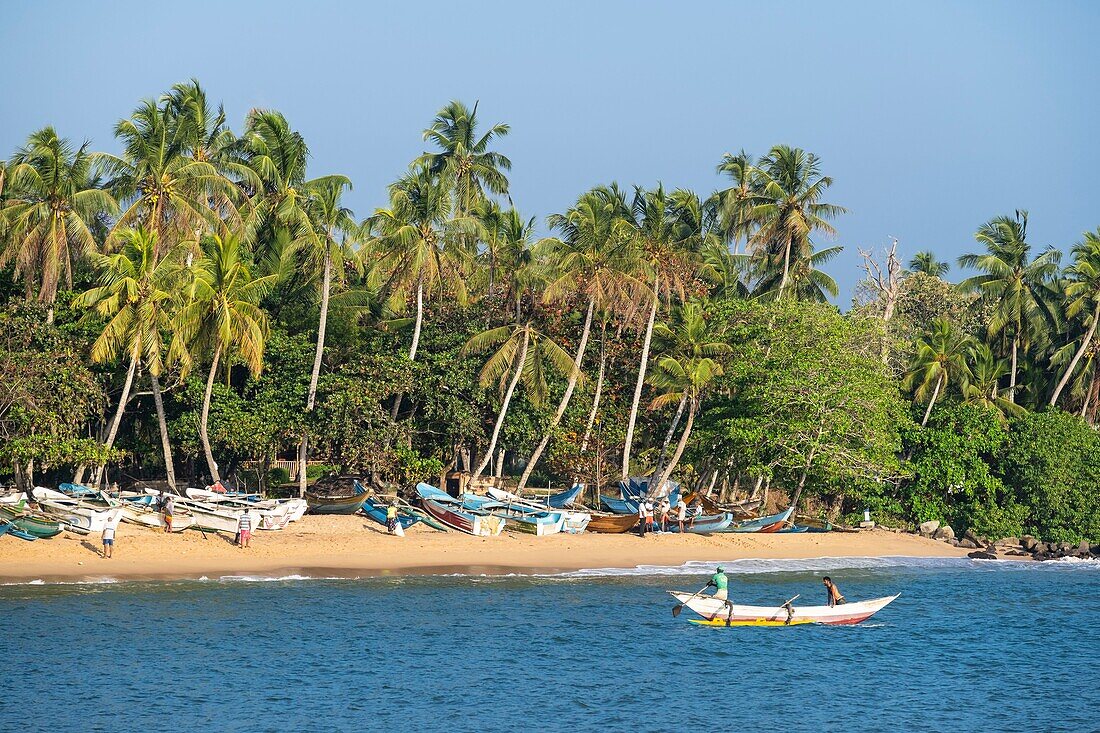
[29, 523]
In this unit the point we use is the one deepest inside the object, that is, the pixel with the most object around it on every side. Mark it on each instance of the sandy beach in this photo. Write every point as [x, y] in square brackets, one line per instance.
[354, 546]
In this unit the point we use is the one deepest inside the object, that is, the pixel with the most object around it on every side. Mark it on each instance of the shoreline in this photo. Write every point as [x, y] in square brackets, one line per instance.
[355, 547]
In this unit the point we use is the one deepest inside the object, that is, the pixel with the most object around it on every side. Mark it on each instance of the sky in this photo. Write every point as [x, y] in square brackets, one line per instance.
[931, 117]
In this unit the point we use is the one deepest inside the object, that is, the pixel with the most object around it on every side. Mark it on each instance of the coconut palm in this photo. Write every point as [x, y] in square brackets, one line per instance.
[787, 209]
[985, 374]
[940, 359]
[1083, 299]
[164, 189]
[51, 205]
[526, 354]
[805, 280]
[734, 204]
[927, 263]
[136, 294]
[669, 235]
[325, 245]
[595, 260]
[222, 318]
[1019, 288]
[464, 159]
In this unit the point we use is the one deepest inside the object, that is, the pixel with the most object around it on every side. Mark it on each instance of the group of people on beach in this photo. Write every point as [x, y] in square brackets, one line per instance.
[685, 515]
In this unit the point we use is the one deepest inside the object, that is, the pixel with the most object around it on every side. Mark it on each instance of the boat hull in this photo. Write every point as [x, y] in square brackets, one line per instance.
[448, 511]
[703, 525]
[612, 523]
[766, 525]
[35, 526]
[377, 511]
[716, 612]
[337, 504]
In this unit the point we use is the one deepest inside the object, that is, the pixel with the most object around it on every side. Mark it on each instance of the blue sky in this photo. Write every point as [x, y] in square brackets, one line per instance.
[931, 117]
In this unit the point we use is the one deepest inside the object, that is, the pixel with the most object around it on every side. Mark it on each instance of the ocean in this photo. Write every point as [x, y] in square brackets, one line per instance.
[969, 645]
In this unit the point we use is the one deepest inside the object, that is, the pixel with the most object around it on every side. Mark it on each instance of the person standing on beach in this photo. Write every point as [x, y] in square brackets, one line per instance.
[108, 539]
[835, 599]
[681, 513]
[665, 509]
[244, 529]
[169, 507]
[391, 517]
[641, 518]
[649, 515]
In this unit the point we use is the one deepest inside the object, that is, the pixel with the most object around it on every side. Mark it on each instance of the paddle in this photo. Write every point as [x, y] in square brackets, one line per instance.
[790, 611]
[676, 610]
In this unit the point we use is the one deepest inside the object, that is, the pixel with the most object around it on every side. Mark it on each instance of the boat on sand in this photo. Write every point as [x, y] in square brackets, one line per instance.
[612, 523]
[456, 515]
[716, 612]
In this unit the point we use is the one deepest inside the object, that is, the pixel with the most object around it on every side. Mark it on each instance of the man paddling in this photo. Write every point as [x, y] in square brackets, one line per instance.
[719, 582]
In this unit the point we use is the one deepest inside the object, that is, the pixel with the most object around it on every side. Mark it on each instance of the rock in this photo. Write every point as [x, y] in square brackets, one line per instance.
[944, 533]
[969, 535]
[1016, 553]
[968, 543]
[1041, 548]
[981, 555]
[1083, 549]
[927, 529]
[1028, 543]
[1007, 542]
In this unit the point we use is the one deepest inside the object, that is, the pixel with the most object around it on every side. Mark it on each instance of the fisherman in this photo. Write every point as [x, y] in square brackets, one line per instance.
[108, 539]
[696, 509]
[835, 599]
[244, 529]
[391, 517]
[719, 582]
[681, 513]
[641, 518]
[169, 507]
[649, 515]
[665, 509]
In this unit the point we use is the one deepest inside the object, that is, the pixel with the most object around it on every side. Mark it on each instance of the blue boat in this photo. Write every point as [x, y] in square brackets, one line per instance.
[618, 506]
[703, 525]
[770, 524]
[376, 510]
[10, 528]
[565, 498]
[456, 514]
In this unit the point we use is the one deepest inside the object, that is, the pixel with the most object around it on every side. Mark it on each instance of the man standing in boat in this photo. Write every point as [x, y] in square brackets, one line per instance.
[720, 583]
[835, 599]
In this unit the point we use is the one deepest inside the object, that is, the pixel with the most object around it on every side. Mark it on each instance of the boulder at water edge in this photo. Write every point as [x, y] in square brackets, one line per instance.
[968, 543]
[944, 533]
[981, 555]
[927, 529]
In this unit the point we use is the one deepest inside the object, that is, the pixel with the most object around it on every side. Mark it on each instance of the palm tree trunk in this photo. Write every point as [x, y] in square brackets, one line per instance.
[112, 432]
[668, 436]
[935, 394]
[679, 447]
[166, 445]
[311, 399]
[627, 445]
[786, 267]
[1076, 357]
[599, 388]
[520, 360]
[415, 344]
[573, 377]
[1012, 378]
[204, 416]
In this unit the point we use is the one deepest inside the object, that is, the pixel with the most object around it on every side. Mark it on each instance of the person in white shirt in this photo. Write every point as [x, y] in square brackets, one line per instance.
[108, 540]
[641, 518]
[681, 512]
[649, 515]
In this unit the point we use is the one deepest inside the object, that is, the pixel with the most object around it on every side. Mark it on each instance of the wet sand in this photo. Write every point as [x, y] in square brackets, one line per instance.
[354, 546]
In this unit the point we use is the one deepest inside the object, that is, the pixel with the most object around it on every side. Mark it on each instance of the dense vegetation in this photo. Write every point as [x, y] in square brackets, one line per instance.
[198, 303]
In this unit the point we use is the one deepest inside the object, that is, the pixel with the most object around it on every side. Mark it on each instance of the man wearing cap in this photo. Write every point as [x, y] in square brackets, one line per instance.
[719, 582]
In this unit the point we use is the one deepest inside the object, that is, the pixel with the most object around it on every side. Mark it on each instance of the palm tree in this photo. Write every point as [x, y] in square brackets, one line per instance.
[52, 203]
[787, 208]
[1083, 296]
[927, 263]
[332, 224]
[806, 280]
[223, 318]
[464, 159]
[165, 190]
[1019, 289]
[940, 358]
[981, 386]
[688, 339]
[595, 259]
[669, 232]
[136, 294]
[528, 355]
[734, 204]
[420, 246]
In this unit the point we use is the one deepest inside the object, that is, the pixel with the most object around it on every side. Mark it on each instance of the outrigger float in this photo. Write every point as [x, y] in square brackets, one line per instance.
[717, 612]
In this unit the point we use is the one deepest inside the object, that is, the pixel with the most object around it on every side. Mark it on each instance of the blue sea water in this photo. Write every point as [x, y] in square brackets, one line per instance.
[969, 646]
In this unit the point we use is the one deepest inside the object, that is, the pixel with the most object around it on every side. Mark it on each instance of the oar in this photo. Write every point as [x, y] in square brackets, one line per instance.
[790, 611]
[680, 607]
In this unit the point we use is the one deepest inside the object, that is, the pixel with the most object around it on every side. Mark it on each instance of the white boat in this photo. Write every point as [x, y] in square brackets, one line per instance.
[13, 497]
[716, 612]
[87, 517]
[271, 510]
[149, 516]
[214, 518]
[574, 522]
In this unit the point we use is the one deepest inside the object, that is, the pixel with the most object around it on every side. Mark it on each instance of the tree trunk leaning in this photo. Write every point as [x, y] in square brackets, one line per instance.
[112, 432]
[628, 444]
[204, 417]
[521, 359]
[1076, 357]
[166, 445]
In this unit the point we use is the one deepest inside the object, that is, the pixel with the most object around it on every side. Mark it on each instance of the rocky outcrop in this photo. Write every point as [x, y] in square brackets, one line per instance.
[928, 529]
[1025, 546]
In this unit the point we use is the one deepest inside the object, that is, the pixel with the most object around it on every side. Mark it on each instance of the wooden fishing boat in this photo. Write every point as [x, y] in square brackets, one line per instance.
[769, 524]
[716, 612]
[337, 504]
[518, 516]
[704, 524]
[376, 510]
[33, 524]
[739, 509]
[83, 515]
[143, 511]
[612, 523]
[575, 521]
[565, 498]
[456, 515]
[618, 506]
[10, 529]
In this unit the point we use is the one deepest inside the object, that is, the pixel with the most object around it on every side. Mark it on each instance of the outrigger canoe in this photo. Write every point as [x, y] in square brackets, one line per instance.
[716, 612]
[770, 524]
[376, 510]
[453, 513]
